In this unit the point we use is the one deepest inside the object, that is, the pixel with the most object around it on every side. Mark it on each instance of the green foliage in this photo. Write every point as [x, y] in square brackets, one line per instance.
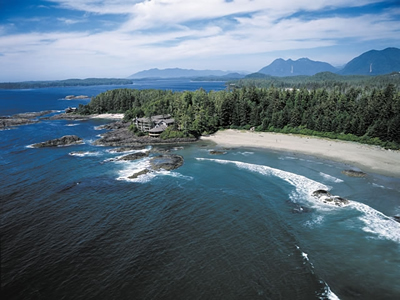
[367, 115]
[171, 133]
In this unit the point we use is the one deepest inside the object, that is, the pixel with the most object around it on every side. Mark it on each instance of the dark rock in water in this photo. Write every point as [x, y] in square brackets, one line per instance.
[319, 193]
[328, 198]
[115, 125]
[216, 152]
[353, 173]
[166, 162]
[134, 156]
[62, 141]
[7, 122]
[396, 218]
[136, 175]
[31, 115]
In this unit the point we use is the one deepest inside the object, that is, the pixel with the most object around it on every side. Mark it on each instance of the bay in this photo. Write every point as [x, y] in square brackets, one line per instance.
[236, 226]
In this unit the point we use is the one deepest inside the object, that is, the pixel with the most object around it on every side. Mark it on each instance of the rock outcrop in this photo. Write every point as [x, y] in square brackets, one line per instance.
[354, 173]
[136, 175]
[134, 156]
[66, 140]
[328, 198]
[217, 152]
[120, 136]
[7, 122]
[166, 162]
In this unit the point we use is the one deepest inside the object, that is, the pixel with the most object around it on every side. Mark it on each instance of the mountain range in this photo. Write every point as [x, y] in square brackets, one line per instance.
[176, 73]
[302, 66]
[373, 62]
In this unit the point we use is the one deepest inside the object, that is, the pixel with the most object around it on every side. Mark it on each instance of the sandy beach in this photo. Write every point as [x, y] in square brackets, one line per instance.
[368, 158]
[108, 116]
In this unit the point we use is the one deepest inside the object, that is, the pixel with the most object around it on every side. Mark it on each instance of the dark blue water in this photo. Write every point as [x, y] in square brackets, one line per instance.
[235, 226]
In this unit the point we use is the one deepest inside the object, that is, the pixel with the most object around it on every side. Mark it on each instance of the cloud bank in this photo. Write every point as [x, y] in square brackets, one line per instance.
[61, 39]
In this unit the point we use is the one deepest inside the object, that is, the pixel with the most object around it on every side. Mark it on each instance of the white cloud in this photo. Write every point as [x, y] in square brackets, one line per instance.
[70, 21]
[186, 33]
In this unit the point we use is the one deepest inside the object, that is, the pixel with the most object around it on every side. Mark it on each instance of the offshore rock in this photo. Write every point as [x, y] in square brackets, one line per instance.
[134, 156]
[217, 152]
[7, 122]
[66, 140]
[21, 119]
[354, 173]
[136, 175]
[166, 162]
[328, 198]
[396, 218]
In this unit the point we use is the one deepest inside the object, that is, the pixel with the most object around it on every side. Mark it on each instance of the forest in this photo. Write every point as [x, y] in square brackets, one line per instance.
[366, 115]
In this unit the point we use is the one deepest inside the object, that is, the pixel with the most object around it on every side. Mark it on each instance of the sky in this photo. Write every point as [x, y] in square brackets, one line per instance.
[61, 39]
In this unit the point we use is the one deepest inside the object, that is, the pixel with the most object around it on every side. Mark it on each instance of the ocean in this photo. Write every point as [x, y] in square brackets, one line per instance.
[240, 225]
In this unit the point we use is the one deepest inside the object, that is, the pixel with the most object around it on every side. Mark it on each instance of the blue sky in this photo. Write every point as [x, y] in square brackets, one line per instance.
[60, 39]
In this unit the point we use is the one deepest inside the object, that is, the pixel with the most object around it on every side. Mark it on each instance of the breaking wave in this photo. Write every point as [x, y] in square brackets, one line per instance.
[375, 222]
[330, 178]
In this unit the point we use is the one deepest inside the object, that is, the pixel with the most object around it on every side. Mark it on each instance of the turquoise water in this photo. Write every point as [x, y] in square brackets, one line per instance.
[236, 226]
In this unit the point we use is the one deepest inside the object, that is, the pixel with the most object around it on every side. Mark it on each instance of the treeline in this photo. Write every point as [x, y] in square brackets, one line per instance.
[326, 80]
[64, 83]
[369, 116]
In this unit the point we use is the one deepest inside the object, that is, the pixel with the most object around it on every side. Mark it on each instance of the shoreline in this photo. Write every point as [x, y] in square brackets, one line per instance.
[370, 159]
[107, 116]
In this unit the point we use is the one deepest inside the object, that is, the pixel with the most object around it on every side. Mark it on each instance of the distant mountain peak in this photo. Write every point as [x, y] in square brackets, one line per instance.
[374, 62]
[302, 66]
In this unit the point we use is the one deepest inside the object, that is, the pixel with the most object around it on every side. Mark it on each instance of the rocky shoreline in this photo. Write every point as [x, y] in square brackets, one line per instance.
[9, 122]
[65, 140]
[120, 136]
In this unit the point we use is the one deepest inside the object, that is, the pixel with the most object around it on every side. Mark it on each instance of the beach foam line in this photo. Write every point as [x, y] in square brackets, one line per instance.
[141, 165]
[129, 151]
[86, 153]
[330, 178]
[133, 167]
[304, 186]
[327, 290]
[377, 223]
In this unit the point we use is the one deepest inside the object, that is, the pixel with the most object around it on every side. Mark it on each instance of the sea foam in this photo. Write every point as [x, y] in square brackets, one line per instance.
[304, 186]
[330, 178]
[375, 222]
[84, 153]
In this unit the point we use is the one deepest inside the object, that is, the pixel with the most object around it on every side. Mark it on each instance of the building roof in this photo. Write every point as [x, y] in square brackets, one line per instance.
[158, 129]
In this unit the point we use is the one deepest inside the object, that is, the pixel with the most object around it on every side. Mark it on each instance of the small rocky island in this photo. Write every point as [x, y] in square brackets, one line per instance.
[354, 173]
[328, 198]
[65, 140]
[7, 122]
[167, 162]
[73, 97]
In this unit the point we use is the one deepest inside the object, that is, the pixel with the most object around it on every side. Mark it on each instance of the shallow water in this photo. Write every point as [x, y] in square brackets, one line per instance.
[236, 226]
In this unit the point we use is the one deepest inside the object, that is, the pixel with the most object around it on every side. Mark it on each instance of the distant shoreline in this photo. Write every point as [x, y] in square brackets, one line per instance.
[368, 158]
